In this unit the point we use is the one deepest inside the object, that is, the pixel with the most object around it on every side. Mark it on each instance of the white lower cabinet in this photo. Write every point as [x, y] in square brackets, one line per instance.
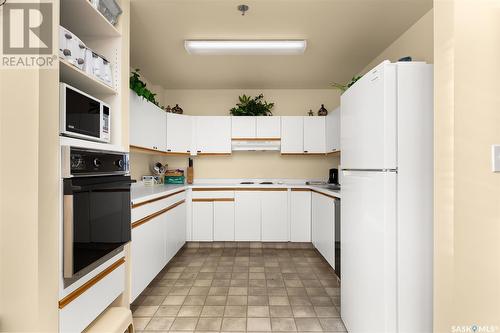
[274, 206]
[300, 216]
[147, 253]
[175, 230]
[203, 221]
[323, 226]
[223, 221]
[247, 212]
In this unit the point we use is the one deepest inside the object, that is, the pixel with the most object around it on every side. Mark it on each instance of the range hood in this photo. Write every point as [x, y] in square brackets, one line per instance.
[256, 145]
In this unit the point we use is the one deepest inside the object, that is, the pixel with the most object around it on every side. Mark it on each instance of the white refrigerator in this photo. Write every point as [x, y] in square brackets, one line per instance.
[387, 200]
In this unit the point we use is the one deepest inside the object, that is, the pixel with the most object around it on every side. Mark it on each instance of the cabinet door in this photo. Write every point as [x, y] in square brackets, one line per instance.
[179, 133]
[292, 134]
[333, 130]
[314, 134]
[274, 216]
[223, 220]
[213, 134]
[175, 230]
[300, 216]
[147, 253]
[243, 127]
[148, 124]
[323, 226]
[269, 127]
[203, 220]
[247, 211]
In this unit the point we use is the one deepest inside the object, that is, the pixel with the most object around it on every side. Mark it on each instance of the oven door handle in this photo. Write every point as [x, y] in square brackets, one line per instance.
[111, 186]
[68, 236]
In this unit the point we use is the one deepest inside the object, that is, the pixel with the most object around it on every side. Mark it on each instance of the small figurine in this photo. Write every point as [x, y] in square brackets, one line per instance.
[322, 111]
[168, 109]
[177, 109]
[310, 113]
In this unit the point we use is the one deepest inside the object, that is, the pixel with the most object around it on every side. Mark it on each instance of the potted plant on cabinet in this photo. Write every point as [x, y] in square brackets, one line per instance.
[252, 106]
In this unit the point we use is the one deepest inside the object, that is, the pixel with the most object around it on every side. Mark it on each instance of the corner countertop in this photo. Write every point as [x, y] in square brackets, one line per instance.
[140, 192]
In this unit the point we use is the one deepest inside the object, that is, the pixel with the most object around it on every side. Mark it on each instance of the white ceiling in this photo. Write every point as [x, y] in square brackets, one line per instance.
[342, 36]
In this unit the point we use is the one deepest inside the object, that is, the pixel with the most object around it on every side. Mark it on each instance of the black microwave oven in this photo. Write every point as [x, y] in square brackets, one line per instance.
[83, 116]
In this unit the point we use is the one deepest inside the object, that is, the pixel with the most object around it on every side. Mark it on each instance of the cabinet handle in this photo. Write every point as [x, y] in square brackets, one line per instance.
[188, 151]
[306, 151]
[198, 151]
[169, 149]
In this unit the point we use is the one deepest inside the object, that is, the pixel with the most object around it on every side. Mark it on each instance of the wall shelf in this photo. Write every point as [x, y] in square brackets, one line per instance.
[79, 79]
[82, 19]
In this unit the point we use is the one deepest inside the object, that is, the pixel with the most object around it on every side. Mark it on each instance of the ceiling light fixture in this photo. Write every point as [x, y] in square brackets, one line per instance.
[245, 47]
[243, 9]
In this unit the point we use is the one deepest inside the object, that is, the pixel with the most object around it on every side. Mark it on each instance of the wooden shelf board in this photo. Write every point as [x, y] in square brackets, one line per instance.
[79, 79]
[82, 19]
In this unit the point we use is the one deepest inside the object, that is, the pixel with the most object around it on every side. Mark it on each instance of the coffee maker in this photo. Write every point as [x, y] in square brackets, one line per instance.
[334, 177]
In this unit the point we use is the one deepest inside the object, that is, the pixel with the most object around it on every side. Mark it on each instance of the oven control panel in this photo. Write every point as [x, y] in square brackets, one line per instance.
[85, 162]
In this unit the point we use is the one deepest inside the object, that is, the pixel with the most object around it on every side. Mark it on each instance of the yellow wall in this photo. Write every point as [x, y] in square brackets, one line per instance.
[416, 42]
[467, 192]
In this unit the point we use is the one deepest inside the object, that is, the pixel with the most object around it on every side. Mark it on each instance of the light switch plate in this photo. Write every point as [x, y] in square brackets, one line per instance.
[495, 158]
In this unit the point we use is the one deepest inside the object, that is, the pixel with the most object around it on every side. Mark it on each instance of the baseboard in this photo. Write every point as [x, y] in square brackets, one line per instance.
[251, 245]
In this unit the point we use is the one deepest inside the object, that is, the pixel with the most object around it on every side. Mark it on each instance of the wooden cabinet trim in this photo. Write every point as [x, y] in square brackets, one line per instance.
[326, 195]
[159, 152]
[213, 154]
[301, 190]
[304, 154]
[158, 213]
[212, 199]
[87, 285]
[156, 199]
[209, 189]
[277, 189]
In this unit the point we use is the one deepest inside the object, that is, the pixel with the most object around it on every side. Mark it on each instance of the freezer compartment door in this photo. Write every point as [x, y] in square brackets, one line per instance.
[368, 251]
[368, 121]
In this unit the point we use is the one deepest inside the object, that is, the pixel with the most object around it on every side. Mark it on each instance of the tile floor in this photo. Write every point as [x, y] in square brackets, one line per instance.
[241, 290]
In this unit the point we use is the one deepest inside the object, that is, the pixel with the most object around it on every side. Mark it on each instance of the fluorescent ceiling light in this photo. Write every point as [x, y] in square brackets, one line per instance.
[245, 47]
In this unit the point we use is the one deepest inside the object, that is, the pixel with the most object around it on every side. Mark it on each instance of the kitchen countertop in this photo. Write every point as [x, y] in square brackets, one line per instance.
[140, 192]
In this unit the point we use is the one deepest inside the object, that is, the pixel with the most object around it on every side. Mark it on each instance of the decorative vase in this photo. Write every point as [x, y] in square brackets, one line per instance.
[322, 111]
[168, 109]
[177, 109]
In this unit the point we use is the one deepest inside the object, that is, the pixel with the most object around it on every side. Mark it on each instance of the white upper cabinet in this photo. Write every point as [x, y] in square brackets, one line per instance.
[292, 134]
[268, 127]
[179, 133]
[333, 131]
[148, 124]
[243, 127]
[213, 134]
[314, 135]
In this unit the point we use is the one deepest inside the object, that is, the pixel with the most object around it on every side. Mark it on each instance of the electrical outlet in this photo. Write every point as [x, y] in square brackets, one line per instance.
[495, 158]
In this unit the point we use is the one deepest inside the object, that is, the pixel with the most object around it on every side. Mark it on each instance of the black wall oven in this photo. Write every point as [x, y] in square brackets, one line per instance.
[96, 209]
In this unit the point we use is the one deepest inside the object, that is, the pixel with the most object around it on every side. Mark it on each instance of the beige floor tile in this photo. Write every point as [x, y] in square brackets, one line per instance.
[160, 324]
[141, 322]
[326, 311]
[190, 311]
[280, 311]
[221, 283]
[168, 311]
[209, 324]
[257, 291]
[283, 324]
[199, 291]
[303, 311]
[237, 300]
[216, 300]
[258, 311]
[235, 311]
[234, 324]
[258, 300]
[258, 324]
[145, 311]
[299, 300]
[293, 284]
[308, 325]
[256, 276]
[238, 291]
[152, 300]
[278, 300]
[332, 324]
[184, 324]
[239, 283]
[202, 283]
[212, 311]
[179, 291]
[277, 291]
[195, 300]
[218, 291]
[174, 300]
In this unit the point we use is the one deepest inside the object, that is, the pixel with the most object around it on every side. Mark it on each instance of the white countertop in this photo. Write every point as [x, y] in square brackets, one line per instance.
[140, 192]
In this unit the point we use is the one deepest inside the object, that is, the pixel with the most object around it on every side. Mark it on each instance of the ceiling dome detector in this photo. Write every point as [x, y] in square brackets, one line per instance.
[243, 9]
